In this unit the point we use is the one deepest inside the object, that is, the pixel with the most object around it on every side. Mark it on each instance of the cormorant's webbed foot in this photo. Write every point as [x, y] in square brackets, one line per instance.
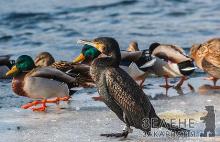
[117, 135]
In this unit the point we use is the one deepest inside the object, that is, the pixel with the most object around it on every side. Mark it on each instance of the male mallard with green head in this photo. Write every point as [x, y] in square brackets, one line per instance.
[87, 55]
[39, 83]
[207, 58]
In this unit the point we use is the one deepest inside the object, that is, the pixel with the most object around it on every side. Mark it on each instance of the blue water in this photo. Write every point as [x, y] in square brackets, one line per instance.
[31, 26]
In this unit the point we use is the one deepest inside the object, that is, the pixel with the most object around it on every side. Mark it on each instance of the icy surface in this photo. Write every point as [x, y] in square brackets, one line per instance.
[83, 119]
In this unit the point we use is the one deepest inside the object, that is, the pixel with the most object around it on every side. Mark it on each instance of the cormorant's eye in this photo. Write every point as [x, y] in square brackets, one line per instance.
[104, 49]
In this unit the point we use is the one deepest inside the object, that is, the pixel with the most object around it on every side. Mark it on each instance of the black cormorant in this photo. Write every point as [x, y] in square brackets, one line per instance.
[120, 92]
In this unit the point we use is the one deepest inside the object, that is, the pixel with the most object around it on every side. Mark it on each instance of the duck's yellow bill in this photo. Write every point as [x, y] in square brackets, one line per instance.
[13, 70]
[80, 58]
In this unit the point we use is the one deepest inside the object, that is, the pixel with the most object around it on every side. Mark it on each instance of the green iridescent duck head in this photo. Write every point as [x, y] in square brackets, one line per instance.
[88, 53]
[24, 63]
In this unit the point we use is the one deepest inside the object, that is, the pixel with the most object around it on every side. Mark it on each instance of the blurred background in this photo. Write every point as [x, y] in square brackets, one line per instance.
[31, 26]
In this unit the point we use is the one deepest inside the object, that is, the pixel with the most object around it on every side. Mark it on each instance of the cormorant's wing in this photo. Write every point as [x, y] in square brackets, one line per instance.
[128, 95]
[51, 73]
[108, 99]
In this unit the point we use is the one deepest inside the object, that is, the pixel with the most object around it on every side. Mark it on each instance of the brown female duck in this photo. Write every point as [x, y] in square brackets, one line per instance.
[207, 58]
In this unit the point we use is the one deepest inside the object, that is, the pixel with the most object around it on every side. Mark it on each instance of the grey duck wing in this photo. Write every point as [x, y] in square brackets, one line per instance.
[129, 96]
[52, 73]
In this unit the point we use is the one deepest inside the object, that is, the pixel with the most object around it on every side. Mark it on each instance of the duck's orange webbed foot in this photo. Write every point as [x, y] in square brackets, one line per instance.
[98, 98]
[212, 79]
[42, 108]
[28, 105]
[57, 99]
[64, 98]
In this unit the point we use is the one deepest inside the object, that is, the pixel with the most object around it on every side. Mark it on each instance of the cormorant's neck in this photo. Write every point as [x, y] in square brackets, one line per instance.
[115, 57]
[100, 64]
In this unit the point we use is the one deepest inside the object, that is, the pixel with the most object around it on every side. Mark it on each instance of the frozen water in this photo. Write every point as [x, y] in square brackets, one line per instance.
[84, 119]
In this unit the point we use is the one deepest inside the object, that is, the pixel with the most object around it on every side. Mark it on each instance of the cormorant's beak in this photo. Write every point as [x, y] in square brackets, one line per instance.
[189, 68]
[88, 42]
[80, 58]
[13, 70]
[97, 45]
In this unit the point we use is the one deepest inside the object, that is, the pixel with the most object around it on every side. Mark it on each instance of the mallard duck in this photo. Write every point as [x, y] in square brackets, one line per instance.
[39, 83]
[120, 92]
[80, 71]
[171, 61]
[44, 59]
[5, 65]
[133, 46]
[207, 58]
[87, 54]
[130, 62]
